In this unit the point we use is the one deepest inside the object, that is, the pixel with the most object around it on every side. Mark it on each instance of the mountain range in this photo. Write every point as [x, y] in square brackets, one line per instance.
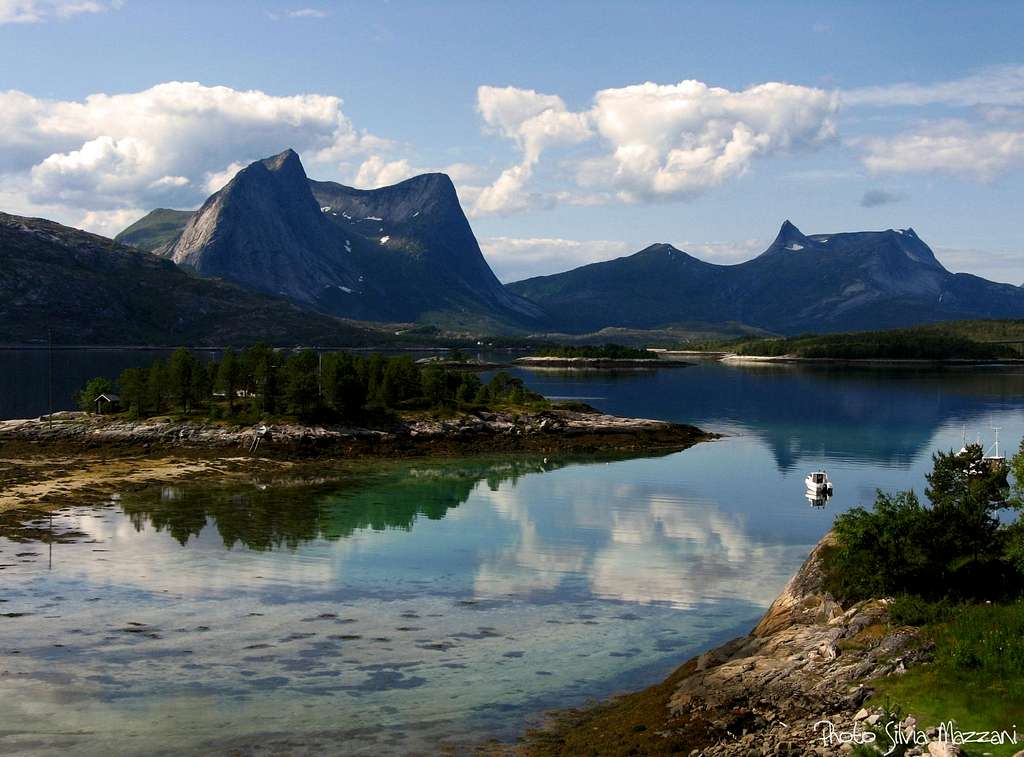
[822, 282]
[275, 255]
[401, 253]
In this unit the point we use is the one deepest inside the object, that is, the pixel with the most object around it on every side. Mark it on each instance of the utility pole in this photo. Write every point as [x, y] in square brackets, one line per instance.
[49, 371]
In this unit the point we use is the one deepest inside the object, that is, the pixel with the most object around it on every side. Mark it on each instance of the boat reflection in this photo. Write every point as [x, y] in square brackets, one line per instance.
[818, 499]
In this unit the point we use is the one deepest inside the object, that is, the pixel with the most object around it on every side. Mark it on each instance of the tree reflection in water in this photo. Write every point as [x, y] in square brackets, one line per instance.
[286, 515]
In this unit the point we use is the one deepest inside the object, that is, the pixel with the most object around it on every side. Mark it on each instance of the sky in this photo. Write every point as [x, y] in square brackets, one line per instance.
[574, 131]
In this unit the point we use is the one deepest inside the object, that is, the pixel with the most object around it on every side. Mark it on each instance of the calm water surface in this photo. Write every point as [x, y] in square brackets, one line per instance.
[423, 606]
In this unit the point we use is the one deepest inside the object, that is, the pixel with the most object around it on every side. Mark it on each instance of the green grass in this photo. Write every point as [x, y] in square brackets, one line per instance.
[977, 678]
[933, 696]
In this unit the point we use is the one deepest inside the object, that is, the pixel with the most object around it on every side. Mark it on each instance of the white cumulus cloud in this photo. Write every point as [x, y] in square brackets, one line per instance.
[38, 11]
[376, 172]
[652, 141]
[171, 144]
[534, 121]
[985, 140]
[682, 139]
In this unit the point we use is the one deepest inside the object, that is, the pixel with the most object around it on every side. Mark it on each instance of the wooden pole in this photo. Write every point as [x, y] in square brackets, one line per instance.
[49, 370]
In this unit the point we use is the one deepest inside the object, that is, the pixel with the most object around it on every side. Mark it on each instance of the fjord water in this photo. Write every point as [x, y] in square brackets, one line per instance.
[411, 606]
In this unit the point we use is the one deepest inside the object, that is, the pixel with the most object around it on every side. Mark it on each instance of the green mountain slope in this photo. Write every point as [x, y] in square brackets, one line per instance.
[156, 229]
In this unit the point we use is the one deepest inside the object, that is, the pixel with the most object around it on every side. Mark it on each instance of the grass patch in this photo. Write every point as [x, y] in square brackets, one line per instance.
[934, 696]
[977, 678]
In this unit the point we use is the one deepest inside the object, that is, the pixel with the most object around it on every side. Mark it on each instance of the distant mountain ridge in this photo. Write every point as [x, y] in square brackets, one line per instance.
[400, 253]
[407, 253]
[822, 282]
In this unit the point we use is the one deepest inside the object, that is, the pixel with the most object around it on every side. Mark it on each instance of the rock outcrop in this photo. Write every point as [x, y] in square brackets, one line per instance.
[806, 668]
[807, 660]
[555, 430]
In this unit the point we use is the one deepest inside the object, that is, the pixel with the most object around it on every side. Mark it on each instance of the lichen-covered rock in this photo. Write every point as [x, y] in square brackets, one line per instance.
[807, 661]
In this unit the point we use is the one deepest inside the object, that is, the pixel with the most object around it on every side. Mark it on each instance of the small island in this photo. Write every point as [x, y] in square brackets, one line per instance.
[263, 407]
[603, 357]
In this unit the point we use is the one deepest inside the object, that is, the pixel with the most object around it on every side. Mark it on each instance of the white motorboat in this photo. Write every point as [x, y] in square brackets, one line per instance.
[818, 482]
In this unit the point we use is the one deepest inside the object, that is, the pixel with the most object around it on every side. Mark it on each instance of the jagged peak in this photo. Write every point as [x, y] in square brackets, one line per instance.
[284, 167]
[789, 238]
[285, 159]
[283, 171]
[789, 233]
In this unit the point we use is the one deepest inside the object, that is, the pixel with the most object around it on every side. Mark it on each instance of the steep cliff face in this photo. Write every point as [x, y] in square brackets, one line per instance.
[265, 231]
[398, 253]
[421, 220]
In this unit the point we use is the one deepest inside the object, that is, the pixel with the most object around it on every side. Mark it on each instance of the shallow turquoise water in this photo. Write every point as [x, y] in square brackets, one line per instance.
[431, 605]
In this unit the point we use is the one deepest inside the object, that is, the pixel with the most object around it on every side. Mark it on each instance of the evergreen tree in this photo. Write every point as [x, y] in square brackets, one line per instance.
[180, 377]
[156, 385]
[401, 381]
[302, 387]
[202, 384]
[228, 375]
[343, 388]
[468, 388]
[435, 385]
[133, 383]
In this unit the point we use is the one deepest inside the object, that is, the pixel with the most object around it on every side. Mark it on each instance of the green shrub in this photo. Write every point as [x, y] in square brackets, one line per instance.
[953, 548]
[911, 610]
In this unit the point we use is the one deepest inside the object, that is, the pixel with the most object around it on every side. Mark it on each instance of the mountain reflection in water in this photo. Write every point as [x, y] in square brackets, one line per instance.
[872, 415]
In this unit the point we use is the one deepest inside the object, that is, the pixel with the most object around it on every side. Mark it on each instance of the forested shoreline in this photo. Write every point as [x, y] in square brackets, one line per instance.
[259, 382]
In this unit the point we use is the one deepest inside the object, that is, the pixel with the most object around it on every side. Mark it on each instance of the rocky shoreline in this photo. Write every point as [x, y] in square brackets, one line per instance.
[556, 429]
[803, 673]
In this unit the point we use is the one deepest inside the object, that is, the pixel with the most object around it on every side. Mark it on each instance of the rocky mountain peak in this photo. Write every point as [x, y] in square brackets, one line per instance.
[789, 235]
[284, 160]
[392, 253]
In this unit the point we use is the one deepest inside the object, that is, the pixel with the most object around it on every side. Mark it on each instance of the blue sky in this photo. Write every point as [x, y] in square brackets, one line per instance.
[574, 131]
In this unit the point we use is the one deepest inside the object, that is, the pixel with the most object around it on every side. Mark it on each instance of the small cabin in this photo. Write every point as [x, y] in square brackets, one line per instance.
[108, 403]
